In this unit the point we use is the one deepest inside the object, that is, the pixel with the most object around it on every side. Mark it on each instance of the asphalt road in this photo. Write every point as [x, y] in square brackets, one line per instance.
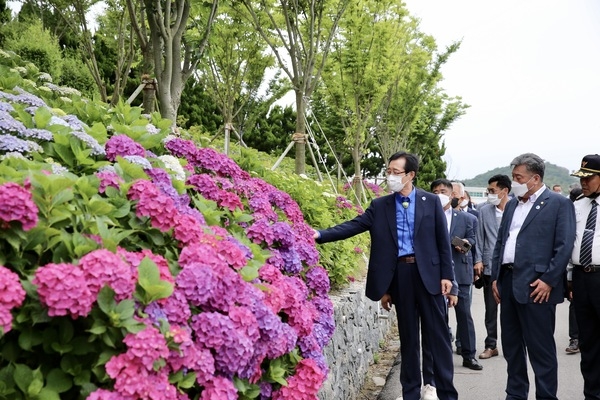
[490, 383]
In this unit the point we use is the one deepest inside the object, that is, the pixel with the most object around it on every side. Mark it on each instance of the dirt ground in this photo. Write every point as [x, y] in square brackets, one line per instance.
[384, 360]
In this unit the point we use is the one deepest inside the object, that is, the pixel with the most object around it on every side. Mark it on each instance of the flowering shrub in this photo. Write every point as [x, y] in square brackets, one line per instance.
[140, 266]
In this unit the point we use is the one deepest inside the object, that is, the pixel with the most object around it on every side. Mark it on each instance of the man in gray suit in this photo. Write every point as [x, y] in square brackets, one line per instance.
[489, 218]
[534, 245]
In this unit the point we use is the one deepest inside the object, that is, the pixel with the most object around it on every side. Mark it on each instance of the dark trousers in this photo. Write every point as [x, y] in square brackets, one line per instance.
[586, 300]
[491, 314]
[414, 303]
[465, 328]
[573, 328]
[528, 329]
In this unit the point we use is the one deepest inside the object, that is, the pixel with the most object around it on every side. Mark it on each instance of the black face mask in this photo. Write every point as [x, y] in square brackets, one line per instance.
[454, 202]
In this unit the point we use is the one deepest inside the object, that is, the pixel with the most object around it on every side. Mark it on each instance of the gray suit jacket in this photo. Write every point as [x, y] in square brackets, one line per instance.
[463, 226]
[543, 247]
[485, 239]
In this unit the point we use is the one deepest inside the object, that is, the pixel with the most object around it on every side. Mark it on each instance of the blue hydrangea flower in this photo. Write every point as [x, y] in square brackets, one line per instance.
[139, 161]
[92, 143]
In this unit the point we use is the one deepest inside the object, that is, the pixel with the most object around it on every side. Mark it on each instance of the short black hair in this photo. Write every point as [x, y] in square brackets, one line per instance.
[502, 181]
[411, 164]
[440, 182]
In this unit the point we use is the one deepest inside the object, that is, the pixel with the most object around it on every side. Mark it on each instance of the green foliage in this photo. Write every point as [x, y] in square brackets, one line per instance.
[76, 75]
[44, 51]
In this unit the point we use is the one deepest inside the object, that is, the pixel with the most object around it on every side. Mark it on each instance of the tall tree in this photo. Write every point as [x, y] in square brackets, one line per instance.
[364, 60]
[235, 66]
[299, 33]
[175, 55]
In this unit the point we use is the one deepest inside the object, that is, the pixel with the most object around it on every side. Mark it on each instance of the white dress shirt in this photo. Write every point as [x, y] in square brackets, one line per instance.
[518, 218]
[582, 210]
[448, 214]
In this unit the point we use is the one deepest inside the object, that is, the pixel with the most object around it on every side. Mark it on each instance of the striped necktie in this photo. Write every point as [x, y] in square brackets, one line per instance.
[585, 254]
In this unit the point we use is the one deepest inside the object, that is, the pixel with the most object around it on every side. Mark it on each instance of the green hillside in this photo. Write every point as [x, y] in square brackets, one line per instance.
[554, 175]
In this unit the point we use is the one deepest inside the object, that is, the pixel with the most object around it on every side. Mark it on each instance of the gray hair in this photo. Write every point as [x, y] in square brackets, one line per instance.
[532, 162]
[461, 187]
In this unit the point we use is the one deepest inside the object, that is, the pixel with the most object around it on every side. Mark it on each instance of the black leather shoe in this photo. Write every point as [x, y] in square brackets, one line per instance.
[459, 351]
[472, 364]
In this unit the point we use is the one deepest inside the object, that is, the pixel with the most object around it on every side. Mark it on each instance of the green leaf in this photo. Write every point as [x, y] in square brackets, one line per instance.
[23, 377]
[99, 206]
[125, 309]
[58, 381]
[42, 117]
[48, 394]
[249, 273]
[152, 287]
[106, 300]
[36, 386]
[62, 197]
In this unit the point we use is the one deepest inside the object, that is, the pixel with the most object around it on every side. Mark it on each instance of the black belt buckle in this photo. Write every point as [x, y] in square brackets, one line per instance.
[589, 268]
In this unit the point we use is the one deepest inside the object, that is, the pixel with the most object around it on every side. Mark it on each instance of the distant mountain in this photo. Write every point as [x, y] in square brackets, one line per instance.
[552, 176]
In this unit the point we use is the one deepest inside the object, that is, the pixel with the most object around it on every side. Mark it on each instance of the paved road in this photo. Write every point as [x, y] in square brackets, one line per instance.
[489, 384]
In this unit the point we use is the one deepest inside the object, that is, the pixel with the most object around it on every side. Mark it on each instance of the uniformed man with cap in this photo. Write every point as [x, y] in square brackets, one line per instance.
[586, 274]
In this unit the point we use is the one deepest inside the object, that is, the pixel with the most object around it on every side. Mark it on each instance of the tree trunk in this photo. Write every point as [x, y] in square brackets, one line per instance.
[300, 135]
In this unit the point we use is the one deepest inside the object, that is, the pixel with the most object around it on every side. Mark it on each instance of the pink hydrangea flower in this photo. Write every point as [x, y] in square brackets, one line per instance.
[63, 289]
[108, 178]
[123, 145]
[304, 384]
[103, 267]
[103, 394]
[11, 296]
[17, 205]
[219, 388]
[147, 346]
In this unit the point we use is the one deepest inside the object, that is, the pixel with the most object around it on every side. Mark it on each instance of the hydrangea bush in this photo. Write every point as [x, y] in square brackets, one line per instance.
[137, 265]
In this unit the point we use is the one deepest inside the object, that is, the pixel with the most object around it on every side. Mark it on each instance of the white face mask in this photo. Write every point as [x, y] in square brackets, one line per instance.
[444, 199]
[493, 198]
[464, 203]
[395, 183]
[519, 189]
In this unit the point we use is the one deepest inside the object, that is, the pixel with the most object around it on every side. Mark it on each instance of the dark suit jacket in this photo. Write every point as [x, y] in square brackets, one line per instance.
[431, 242]
[544, 245]
[463, 226]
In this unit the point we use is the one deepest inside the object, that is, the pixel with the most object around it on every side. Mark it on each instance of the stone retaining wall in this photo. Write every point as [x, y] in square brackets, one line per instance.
[359, 330]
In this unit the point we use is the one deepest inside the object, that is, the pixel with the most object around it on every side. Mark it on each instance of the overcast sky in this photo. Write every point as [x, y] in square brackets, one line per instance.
[529, 69]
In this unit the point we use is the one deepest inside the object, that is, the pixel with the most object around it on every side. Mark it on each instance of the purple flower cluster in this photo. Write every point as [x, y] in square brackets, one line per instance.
[11, 296]
[17, 205]
[123, 145]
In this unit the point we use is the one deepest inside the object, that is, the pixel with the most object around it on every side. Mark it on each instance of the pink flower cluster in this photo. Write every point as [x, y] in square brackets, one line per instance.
[11, 296]
[68, 289]
[123, 145]
[159, 207]
[136, 372]
[17, 205]
[108, 178]
[304, 384]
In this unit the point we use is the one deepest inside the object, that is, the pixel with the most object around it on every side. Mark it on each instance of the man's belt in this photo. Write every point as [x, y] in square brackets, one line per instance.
[587, 268]
[410, 259]
[508, 266]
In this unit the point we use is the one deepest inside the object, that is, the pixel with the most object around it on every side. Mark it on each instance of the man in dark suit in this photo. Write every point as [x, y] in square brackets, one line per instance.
[461, 225]
[534, 245]
[410, 266]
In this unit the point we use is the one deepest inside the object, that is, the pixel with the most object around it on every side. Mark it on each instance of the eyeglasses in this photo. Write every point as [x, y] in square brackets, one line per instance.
[395, 172]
